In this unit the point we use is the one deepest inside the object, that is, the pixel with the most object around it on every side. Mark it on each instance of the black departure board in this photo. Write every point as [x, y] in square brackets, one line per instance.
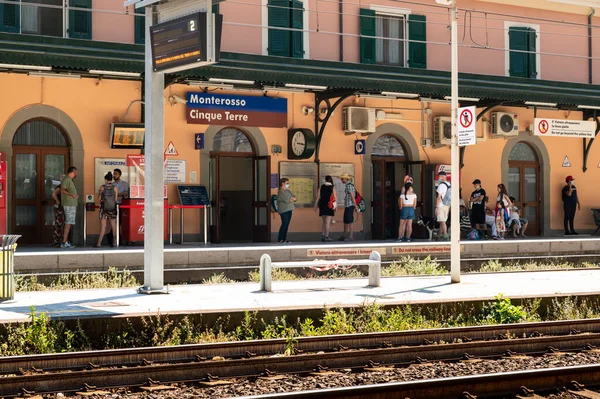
[127, 135]
[182, 41]
[193, 195]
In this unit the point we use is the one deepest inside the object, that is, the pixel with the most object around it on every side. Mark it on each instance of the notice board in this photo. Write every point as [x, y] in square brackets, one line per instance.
[335, 170]
[193, 195]
[303, 181]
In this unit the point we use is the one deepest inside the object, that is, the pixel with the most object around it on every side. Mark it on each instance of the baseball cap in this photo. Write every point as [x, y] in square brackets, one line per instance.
[442, 173]
[570, 178]
[476, 181]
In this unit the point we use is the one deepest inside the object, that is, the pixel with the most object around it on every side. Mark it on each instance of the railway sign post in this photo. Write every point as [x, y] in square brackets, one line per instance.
[180, 35]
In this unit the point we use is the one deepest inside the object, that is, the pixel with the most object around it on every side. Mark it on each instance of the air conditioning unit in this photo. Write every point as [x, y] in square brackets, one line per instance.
[505, 124]
[442, 131]
[358, 120]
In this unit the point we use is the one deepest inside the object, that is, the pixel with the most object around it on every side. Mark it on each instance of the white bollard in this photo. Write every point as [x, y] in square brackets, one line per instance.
[265, 273]
[375, 270]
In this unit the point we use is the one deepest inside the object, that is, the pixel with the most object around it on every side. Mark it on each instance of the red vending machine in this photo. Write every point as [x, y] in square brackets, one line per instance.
[132, 228]
[3, 224]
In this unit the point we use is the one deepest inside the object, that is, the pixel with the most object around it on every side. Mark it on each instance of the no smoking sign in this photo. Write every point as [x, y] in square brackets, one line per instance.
[466, 126]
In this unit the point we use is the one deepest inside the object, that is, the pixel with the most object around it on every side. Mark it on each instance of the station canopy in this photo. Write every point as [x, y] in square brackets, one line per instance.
[261, 72]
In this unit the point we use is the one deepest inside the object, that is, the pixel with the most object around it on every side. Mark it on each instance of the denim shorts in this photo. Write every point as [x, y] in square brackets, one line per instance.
[407, 213]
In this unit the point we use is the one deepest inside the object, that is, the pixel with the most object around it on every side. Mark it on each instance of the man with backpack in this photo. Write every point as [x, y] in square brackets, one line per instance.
[351, 205]
[442, 208]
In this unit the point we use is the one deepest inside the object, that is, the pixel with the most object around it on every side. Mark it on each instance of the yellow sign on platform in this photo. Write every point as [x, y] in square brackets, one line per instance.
[423, 249]
[343, 251]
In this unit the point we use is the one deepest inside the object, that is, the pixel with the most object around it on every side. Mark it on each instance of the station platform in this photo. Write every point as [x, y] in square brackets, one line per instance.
[228, 299]
[56, 260]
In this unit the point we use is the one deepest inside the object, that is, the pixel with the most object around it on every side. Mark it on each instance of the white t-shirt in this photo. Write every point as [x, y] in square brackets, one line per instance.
[411, 199]
[441, 190]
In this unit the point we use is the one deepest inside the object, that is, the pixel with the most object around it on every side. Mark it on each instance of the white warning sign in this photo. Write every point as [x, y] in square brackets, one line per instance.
[171, 149]
[566, 162]
[466, 126]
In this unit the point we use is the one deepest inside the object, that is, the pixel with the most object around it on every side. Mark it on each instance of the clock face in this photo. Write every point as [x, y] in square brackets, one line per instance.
[298, 143]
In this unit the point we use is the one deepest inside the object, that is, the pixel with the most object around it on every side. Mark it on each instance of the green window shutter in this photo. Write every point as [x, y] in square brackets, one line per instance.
[279, 17]
[215, 8]
[532, 56]
[518, 39]
[417, 36]
[10, 17]
[80, 22]
[297, 12]
[367, 44]
[140, 29]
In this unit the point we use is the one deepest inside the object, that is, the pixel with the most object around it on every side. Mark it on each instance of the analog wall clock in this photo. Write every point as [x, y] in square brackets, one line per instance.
[301, 143]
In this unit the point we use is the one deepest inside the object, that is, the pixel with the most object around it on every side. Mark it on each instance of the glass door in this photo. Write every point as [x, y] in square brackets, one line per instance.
[261, 178]
[523, 184]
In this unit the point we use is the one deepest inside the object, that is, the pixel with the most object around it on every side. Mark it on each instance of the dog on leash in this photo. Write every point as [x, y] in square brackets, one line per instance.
[432, 226]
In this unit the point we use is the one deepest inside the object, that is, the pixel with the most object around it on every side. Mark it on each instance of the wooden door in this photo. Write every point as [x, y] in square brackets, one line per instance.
[377, 203]
[524, 185]
[215, 203]
[261, 177]
[37, 172]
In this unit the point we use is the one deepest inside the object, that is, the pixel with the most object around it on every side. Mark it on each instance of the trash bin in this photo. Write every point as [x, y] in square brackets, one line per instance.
[7, 266]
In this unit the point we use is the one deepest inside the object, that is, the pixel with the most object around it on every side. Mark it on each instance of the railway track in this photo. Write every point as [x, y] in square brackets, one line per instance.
[69, 372]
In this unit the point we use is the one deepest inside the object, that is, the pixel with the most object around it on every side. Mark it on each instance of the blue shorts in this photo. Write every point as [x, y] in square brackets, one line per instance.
[407, 213]
[349, 215]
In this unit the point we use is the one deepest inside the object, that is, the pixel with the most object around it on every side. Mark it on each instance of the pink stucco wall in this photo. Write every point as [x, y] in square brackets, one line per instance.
[481, 32]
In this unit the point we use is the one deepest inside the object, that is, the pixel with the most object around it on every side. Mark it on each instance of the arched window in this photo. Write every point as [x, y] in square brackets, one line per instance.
[232, 140]
[39, 133]
[522, 152]
[388, 146]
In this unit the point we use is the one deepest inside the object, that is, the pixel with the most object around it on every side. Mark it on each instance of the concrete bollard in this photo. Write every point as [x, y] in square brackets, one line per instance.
[375, 270]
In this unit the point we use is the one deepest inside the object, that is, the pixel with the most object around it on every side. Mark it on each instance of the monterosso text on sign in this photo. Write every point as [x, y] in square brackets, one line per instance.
[206, 109]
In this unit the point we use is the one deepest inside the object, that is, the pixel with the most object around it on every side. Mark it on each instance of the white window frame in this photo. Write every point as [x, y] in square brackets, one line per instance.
[395, 12]
[507, 26]
[265, 29]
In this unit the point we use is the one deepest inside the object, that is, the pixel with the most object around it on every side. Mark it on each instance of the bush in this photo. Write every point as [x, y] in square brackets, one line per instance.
[502, 311]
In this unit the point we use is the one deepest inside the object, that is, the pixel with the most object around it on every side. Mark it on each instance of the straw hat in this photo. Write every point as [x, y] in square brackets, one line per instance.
[346, 176]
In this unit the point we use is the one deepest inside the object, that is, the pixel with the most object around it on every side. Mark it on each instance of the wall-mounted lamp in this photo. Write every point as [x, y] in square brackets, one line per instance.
[307, 110]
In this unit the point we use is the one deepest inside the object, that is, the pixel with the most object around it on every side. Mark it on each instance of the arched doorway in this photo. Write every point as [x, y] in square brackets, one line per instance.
[390, 164]
[239, 189]
[40, 157]
[524, 183]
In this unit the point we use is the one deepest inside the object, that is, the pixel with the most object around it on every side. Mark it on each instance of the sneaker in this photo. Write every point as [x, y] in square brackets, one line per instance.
[486, 237]
[328, 239]
[408, 240]
[66, 245]
[495, 237]
[404, 239]
[399, 239]
[342, 238]
[323, 239]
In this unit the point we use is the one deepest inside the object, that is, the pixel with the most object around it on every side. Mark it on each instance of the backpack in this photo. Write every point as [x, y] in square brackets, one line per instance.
[274, 207]
[473, 235]
[109, 199]
[447, 199]
[360, 201]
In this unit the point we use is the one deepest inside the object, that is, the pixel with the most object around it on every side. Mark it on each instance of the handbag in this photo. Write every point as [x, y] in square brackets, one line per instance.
[332, 204]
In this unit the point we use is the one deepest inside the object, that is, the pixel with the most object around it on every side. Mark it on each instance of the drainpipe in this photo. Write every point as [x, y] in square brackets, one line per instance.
[341, 24]
[590, 51]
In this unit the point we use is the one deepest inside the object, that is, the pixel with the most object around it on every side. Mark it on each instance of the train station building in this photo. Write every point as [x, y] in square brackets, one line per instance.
[303, 89]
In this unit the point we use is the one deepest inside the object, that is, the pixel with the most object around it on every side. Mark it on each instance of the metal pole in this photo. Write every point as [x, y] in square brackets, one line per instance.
[170, 225]
[154, 208]
[84, 225]
[455, 158]
[205, 226]
[181, 227]
[117, 233]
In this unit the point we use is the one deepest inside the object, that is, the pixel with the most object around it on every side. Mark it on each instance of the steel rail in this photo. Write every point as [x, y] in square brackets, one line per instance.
[482, 385]
[67, 381]
[328, 343]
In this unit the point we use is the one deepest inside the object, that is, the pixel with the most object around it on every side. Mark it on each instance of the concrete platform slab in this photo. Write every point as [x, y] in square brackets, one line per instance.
[307, 294]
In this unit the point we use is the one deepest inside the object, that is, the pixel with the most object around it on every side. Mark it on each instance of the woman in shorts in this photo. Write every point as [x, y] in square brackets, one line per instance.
[407, 203]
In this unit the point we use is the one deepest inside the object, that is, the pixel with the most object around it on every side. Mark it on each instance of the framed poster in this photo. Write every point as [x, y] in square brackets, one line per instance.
[303, 181]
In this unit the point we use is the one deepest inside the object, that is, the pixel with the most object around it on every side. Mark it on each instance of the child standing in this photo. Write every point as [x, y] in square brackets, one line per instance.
[500, 225]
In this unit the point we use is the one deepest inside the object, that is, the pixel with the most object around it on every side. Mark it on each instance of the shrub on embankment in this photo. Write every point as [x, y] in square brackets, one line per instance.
[42, 335]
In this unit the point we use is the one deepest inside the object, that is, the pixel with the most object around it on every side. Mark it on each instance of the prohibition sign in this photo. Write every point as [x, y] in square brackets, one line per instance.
[466, 118]
[543, 126]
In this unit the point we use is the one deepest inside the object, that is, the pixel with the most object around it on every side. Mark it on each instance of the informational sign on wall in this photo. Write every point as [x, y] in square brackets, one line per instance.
[175, 171]
[231, 110]
[564, 128]
[466, 126]
[303, 180]
[335, 170]
[104, 165]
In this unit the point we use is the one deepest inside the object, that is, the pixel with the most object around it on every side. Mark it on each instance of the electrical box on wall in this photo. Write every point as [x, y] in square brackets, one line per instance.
[276, 149]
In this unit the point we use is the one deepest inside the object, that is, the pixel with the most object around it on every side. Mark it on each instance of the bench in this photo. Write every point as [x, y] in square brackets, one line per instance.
[266, 267]
[596, 213]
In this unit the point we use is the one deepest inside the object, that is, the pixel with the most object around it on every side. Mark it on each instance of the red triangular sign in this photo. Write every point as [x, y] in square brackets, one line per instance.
[171, 149]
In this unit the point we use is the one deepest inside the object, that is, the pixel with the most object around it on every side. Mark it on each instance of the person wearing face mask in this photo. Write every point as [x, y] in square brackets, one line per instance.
[477, 200]
[285, 207]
